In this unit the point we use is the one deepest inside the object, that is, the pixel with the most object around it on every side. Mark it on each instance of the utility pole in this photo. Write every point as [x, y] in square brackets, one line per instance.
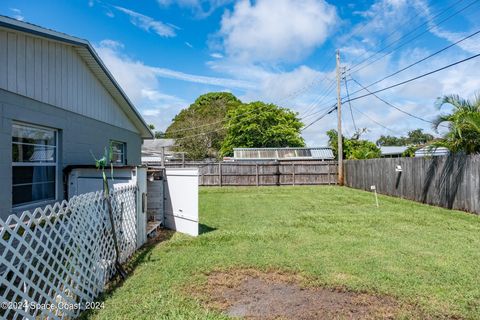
[339, 124]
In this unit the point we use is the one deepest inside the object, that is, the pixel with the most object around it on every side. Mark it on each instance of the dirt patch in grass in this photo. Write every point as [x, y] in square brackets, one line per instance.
[257, 295]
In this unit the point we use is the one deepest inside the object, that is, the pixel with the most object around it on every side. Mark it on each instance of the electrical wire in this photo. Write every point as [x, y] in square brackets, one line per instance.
[390, 87]
[310, 110]
[350, 105]
[351, 69]
[375, 121]
[333, 108]
[421, 60]
[392, 105]
[414, 78]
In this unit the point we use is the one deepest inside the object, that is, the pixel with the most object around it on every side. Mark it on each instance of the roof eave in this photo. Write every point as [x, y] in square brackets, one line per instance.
[137, 119]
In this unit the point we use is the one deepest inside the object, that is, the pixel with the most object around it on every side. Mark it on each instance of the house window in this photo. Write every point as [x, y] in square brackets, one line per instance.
[34, 164]
[117, 150]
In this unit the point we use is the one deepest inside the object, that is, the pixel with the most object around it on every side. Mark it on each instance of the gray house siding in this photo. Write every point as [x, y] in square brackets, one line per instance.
[55, 73]
[79, 135]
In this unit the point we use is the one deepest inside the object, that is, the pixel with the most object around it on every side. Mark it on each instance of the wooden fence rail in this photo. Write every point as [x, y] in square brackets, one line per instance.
[450, 181]
[264, 173]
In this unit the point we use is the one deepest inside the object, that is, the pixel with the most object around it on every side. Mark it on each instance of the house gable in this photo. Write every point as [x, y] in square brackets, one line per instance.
[55, 72]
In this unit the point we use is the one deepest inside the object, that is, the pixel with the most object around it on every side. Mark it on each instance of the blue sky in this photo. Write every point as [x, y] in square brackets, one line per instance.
[165, 53]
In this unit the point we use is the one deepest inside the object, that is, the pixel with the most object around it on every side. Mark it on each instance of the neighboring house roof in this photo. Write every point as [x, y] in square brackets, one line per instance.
[91, 58]
[154, 147]
[317, 153]
[429, 152]
[392, 150]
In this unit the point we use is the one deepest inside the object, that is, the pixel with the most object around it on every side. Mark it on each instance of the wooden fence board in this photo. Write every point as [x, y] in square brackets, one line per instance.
[450, 181]
[264, 173]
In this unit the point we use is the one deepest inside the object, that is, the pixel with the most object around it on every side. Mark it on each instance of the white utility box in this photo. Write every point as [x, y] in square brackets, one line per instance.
[181, 200]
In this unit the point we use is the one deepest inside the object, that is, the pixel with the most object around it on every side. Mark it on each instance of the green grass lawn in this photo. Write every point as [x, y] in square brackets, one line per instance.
[422, 255]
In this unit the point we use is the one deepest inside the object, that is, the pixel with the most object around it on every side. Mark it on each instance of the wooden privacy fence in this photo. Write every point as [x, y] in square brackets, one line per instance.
[57, 260]
[265, 173]
[449, 181]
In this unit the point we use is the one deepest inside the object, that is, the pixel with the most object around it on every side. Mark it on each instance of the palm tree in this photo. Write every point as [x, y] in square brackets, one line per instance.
[463, 124]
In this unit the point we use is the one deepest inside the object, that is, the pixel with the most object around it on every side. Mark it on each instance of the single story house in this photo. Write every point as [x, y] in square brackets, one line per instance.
[58, 105]
[153, 150]
[392, 151]
[428, 151]
[282, 154]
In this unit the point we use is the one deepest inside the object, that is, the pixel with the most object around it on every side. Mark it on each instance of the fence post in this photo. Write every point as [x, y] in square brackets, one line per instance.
[256, 173]
[278, 174]
[328, 169]
[141, 206]
[293, 173]
[220, 174]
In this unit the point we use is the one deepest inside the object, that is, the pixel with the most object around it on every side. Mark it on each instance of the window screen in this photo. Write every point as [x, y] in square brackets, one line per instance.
[34, 164]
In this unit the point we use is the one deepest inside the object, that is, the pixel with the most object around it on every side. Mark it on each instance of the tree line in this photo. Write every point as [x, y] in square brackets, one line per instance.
[217, 122]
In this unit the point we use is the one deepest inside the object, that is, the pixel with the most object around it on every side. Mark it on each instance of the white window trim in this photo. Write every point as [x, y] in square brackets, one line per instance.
[28, 205]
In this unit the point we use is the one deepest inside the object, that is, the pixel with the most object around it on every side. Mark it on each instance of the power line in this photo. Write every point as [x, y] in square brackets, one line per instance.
[392, 105]
[333, 108]
[301, 90]
[411, 32]
[395, 32]
[375, 121]
[210, 124]
[414, 78]
[318, 111]
[239, 115]
[421, 60]
[309, 111]
[350, 105]
[402, 44]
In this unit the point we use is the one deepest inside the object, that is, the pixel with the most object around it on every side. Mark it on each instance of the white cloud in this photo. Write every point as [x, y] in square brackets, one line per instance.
[387, 17]
[188, 44]
[216, 55]
[201, 8]
[111, 44]
[383, 21]
[149, 24]
[213, 81]
[142, 83]
[17, 14]
[275, 30]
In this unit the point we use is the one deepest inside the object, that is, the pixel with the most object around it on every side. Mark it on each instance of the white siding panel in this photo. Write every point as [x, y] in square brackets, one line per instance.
[53, 73]
[75, 76]
[12, 62]
[38, 69]
[3, 59]
[60, 71]
[64, 72]
[70, 75]
[21, 65]
[30, 66]
[45, 77]
[56, 74]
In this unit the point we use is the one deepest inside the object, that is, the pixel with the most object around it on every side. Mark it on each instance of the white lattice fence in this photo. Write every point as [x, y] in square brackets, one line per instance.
[61, 256]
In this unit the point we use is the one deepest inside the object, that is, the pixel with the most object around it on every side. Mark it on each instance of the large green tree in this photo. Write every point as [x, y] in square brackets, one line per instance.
[463, 123]
[353, 148]
[199, 130]
[414, 137]
[257, 124]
